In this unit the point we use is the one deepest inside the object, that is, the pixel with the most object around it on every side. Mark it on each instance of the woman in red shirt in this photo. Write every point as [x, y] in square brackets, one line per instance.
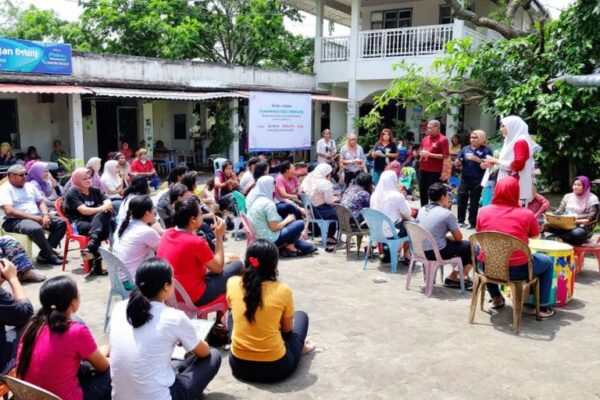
[507, 216]
[143, 166]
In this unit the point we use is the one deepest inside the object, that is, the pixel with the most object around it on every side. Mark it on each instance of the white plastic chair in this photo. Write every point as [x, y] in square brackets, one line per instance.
[114, 265]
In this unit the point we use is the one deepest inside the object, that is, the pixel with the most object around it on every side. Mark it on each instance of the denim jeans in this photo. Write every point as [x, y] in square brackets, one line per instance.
[542, 268]
[290, 234]
[285, 209]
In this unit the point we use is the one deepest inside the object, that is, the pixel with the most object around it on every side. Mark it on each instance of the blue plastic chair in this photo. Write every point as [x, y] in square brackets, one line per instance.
[323, 223]
[376, 221]
[114, 266]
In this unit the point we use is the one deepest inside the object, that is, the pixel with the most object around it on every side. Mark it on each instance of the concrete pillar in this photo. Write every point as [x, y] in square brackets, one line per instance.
[317, 128]
[354, 29]
[148, 130]
[320, 10]
[234, 149]
[76, 127]
[458, 29]
[352, 108]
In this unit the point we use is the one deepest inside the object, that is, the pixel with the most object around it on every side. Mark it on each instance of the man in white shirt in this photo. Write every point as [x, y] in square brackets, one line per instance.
[248, 178]
[26, 212]
[326, 149]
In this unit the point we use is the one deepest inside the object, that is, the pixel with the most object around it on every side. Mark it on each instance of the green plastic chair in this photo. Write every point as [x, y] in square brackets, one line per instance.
[240, 202]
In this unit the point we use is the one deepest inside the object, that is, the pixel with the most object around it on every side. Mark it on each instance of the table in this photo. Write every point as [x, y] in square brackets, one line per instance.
[563, 277]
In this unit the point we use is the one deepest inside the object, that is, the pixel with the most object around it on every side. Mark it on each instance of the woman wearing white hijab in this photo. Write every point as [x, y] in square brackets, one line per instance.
[516, 156]
[112, 184]
[267, 223]
[388, 199]
[319, 189]
[94, 164]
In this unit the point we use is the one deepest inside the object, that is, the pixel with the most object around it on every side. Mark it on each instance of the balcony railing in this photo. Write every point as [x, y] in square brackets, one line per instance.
[384, 43]
[416, 41]
[335, 48]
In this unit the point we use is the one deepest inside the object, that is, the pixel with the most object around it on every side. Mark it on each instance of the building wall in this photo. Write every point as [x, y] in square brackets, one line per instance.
[41, 123]
[163, 115]
[337, 114]
[424, 12]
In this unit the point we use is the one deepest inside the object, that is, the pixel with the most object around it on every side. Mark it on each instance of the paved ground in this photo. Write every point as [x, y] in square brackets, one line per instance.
[381, 341]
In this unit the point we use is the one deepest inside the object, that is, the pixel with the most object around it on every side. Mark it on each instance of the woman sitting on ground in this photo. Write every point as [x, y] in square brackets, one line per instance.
[358, 195]
[138, 187]
[388, 199]
[287, 188]
[269, 225]
[165, 208]
[94, 164]
[438, 220]
[88, 209]
[112, 183]
[225, 183]
[192, 258]
[143, 335]
[507, 216]
[269, 336]
[582, 204]
[124, 167]
[136, 240]
[319, 189]
[247, 180]
[40, 177]
[54, 345]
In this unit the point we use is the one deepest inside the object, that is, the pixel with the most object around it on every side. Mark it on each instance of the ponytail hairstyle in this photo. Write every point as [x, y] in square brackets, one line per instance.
[150, 279]
[138, 207]
[184, 211]
[261, 169]
[175, 174]
[56, 296]
[261, 265]
[139, 185]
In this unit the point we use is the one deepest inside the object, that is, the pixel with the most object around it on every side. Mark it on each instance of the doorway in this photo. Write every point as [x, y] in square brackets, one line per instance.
[116, 123]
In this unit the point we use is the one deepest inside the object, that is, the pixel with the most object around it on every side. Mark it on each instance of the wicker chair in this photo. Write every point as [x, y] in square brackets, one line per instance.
[498, 247]
[22, 390]
[345, 217]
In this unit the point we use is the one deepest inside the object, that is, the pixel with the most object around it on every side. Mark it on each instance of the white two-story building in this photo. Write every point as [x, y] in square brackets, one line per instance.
[383, 33]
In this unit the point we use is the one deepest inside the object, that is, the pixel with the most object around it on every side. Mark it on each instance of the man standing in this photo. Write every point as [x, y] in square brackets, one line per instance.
[434, 149]
[325, 148]
[27, 213]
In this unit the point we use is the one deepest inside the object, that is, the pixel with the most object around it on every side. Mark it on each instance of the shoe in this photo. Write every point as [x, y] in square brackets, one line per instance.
[53, 260]
[462, 225]
[449, 283]
[31, 275]
[498, 304]
[287, 253]
[471, 227]
[97, 268]
[57, 253]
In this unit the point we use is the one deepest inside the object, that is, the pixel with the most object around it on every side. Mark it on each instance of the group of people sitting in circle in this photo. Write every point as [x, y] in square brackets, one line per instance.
[181, 239]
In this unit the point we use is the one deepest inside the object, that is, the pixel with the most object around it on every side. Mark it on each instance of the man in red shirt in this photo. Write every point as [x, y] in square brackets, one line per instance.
[143, 166]
[434, 149]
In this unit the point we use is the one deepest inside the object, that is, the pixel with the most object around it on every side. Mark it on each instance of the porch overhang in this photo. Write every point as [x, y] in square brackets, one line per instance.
[325, 98]
[42, 89]
[160, 94]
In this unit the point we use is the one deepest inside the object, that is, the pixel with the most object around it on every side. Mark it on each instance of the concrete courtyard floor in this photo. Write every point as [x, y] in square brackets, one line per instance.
[381, 341]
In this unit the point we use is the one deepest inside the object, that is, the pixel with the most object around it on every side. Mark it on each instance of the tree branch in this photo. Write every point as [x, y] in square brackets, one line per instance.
[458, 11]
[514, 5]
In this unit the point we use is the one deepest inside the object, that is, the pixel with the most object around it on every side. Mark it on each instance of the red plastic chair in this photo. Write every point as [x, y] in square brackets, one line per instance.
[248, 228]
[182, 301]
[70, 236]
[581, 251]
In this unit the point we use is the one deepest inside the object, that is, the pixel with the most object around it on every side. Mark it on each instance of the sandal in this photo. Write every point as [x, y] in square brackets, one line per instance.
[549, 313]
[498, 302]
[288, 254]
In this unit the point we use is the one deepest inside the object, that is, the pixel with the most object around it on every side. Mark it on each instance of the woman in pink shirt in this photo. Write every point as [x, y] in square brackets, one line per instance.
[507, 216]
[54, 345]
[287, 188]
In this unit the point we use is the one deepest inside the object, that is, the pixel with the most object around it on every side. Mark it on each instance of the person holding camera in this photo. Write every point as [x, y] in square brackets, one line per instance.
[326, 149]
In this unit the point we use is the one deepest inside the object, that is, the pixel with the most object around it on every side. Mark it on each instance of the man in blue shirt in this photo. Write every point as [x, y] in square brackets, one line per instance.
[469, 191]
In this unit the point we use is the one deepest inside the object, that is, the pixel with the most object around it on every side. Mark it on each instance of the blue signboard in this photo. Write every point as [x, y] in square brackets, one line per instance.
[35, 57]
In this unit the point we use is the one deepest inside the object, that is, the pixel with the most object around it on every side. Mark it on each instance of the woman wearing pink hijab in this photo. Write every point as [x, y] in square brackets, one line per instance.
[90, 212]
[584, 205]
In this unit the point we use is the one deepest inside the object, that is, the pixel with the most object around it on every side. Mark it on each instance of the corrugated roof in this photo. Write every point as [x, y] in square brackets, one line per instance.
[53, 89]
[160, 94]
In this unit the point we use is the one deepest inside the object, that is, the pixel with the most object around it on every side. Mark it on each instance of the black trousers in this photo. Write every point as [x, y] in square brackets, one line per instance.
[577, 236]
[98, 229]
[469, 191]
[453, 249]
[425, 180]
[275, 371]
[194, 374]
[57, 230]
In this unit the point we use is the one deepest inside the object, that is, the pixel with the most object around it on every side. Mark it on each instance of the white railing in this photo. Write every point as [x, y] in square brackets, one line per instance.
[476, 37]
[415, 41]
[335, 48]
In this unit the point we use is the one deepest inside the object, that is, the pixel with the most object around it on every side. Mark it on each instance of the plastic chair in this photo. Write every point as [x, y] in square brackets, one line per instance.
[345, 217]
[418, 235]
[587, 248]
[498, 247]
[115, 267]
[376, 221]
[22, 390]
[70, 236]
[310, 215]
[218, 163]
[248, 229]
[182, 301]
[240, 205]
[4, 389]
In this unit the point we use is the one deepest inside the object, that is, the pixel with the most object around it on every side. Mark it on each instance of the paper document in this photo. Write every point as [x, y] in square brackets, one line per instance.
[202, 328]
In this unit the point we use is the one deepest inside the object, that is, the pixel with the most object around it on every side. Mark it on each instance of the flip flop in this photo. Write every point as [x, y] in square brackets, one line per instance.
[547, 314]
[500, 304]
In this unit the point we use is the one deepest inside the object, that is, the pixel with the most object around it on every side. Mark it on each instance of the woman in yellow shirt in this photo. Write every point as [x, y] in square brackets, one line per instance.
[268, 337]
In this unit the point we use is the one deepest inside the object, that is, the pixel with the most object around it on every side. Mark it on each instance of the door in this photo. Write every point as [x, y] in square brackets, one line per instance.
[128, 125]
[106, 117]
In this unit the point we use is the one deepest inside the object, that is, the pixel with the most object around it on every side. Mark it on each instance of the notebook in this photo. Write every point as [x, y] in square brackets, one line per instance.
[202, 328]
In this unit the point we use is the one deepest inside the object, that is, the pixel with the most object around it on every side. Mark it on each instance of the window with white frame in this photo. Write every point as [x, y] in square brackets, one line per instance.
[391, 19]
[446, 15]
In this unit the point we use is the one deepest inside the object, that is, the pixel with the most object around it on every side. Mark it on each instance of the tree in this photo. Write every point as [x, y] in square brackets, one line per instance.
[513, 76]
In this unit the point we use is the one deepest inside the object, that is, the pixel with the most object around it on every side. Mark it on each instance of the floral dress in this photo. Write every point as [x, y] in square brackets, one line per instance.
[356, 198]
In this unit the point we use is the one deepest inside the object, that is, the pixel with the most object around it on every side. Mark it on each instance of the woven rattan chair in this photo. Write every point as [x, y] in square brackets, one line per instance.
[22, 390]
[498, 247]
